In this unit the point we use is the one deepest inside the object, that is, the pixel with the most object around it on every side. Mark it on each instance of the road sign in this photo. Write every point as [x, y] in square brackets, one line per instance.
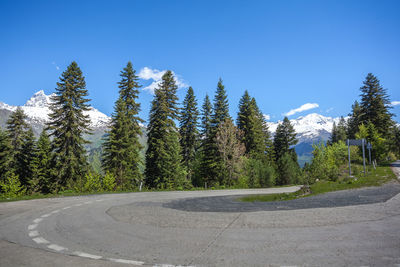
[369, 146]
[354, 142]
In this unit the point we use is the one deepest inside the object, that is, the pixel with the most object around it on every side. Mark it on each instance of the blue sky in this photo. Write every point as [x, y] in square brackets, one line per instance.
[285, 53]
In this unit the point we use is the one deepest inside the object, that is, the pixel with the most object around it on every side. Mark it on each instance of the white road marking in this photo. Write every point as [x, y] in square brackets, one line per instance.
[55, 211]
[32, 226]
[45, 215]
[38, 220]
[126, 261]
[87, 255]
[40, 240]
[77, 205]
[88, 202]
[67, 208]
[56, 247]
[33, 233]
[99, 200]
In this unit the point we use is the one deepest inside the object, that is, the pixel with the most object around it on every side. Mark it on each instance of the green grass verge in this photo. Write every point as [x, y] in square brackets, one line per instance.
[374, 178]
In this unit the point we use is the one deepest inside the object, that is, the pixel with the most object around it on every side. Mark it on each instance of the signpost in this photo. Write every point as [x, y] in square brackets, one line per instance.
[357, 142]
[369, 147]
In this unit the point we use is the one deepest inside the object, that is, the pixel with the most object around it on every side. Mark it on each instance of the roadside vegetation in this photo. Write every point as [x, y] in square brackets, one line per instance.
[187, 148]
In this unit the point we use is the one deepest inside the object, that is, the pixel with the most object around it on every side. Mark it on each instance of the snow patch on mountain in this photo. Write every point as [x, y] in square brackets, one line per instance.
[309, 128]
[37, 110]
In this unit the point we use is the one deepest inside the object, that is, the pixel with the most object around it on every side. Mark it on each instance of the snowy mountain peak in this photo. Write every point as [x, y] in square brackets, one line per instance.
[39, 99]
[37, 110]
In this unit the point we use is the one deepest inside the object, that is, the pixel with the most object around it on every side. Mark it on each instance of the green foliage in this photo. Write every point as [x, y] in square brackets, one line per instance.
[163, 157]
[109, 183]
[328, 161]
[93, 183]
[40, 181]
[5, 152]
[251, 122]
[339, 132]
[121, 149]
[67, 125]
[11, 187]
[380, 147]
[189, 135]
[258, 173]
[289, 171]
[230, 149]
[375, 105]
[284, 139]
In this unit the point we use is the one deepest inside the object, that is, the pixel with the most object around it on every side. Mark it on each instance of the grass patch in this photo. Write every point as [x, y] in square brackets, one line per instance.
[381, 175]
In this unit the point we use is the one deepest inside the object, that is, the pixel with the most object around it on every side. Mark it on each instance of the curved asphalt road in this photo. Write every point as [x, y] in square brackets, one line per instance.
[141, 229]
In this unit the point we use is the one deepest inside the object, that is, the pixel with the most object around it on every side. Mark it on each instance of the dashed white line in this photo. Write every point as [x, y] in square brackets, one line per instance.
[87, 255]
[77, 205]
[38, 220]
[40, 240]
[55, 211]
[88, 202]
[56, 247]
[65, 208]
[99, 200]
[32, 226]
[33, 233]
[126, 261]
[45, 215]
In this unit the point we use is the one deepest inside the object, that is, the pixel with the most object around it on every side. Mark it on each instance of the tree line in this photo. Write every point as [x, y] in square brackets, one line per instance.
[187, 146]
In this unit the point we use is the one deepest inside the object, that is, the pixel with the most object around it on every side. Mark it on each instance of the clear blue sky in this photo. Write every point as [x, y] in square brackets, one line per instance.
[285, 53]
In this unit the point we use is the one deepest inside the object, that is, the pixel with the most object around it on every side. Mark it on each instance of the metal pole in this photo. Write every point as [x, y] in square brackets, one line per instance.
[369, 152]
[348, 146]
[363, 141]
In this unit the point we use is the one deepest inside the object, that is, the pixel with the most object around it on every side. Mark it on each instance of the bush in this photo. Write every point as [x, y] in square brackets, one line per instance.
[93, 183]
[12, 187]
[109, 183]
[258, 173]
[289, 170]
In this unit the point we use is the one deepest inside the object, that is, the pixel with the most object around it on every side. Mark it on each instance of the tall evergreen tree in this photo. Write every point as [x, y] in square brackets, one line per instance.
[27, 158]
[188, 131]
[5, 152]
[163, 158]
[17, 130]
[284, 139]
[42, 169]
[121, 156]
[375, 105]
[212, 163]
[255, 130]
[206, 114]
[354, 120]
[67, 125]
[339, 132]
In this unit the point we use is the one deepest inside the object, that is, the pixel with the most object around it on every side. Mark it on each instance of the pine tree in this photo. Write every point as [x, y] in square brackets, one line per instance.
[251, 121]
[121, 147]
[42, 171]
[339, 132]
[354, 120]
[5, 152]
[163, 159]
[375, 105]
[27, 158]
[204, 155]
[188, 132]
[17, 130]
[284, 139]
[212, 163]
[67, 125]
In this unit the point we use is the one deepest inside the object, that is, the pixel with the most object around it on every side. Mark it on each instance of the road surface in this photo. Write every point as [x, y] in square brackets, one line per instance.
[145, 229]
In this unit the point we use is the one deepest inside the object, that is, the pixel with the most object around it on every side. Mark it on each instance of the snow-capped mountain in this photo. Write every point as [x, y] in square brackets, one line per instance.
[37, 110]
[312, 127]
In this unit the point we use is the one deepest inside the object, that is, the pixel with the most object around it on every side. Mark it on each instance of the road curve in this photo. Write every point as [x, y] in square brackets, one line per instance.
[140, 229]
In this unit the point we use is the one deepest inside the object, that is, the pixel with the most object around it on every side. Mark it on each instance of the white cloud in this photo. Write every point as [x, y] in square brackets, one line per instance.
[57, 67]
[304, 107]
[267, 117]
[329, 110]
[156, 75]
[395, 103]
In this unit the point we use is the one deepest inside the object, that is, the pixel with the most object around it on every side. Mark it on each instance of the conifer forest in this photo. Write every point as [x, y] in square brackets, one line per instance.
[191, 143]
